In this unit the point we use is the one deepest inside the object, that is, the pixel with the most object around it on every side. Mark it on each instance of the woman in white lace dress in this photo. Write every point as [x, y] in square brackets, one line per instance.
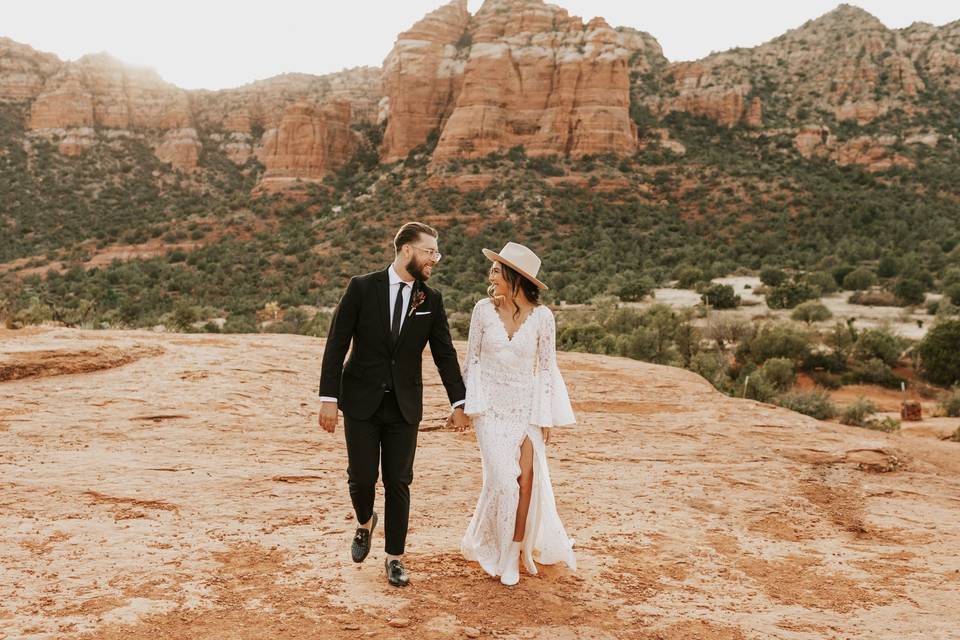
[515, 394]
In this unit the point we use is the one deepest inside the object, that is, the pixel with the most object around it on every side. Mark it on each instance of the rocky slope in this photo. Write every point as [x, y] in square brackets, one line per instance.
[520, 73]
[177, 486]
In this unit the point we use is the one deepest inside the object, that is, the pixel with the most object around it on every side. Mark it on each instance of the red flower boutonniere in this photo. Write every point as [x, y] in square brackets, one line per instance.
[417, 301]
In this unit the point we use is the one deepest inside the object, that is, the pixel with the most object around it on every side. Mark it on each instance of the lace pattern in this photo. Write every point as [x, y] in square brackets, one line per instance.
[513, 388]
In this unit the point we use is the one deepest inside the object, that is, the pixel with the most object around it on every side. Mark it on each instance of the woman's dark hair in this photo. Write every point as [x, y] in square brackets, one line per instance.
[515, 282]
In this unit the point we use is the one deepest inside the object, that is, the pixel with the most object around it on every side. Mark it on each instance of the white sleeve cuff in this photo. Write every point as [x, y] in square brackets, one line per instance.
[327, 399]
[457, 404]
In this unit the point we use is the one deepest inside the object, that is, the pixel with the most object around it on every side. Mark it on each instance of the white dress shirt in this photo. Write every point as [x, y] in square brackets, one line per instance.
[395, 281]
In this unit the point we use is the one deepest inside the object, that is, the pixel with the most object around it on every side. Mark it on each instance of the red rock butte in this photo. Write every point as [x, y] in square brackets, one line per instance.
[516, 73]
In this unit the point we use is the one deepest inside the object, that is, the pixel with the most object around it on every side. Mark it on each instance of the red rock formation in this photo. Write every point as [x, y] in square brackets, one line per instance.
[309, 142]
[77, 141]
[538, 77]
[422, 78]
[873, 153]
[100, 91]
[24, 71]
[181, 148]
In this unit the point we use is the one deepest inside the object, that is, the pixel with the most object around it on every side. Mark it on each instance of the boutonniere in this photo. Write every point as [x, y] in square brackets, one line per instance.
[417, 301]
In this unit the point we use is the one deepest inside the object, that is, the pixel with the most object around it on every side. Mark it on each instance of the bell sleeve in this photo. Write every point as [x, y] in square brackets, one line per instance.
[551, 402]
[476, 400]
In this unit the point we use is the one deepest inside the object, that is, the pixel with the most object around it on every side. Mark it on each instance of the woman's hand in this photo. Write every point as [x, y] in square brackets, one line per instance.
[546, 434]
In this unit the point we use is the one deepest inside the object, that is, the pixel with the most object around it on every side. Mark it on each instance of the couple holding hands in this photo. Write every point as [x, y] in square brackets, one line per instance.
[510, 390]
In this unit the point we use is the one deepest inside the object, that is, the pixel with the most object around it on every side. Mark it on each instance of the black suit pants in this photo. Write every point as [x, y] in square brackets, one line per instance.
[384, 440]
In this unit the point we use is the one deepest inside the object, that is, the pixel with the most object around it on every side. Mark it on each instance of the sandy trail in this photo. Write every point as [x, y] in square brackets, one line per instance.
[176, 486]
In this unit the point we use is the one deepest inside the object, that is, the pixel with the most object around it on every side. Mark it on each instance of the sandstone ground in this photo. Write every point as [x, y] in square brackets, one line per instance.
[177, 486]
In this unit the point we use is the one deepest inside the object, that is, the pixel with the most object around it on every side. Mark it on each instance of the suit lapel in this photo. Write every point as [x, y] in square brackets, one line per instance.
[383, 300]
[406, 313]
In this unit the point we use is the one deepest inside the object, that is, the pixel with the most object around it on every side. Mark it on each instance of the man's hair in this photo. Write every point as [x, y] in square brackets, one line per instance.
[410, 232]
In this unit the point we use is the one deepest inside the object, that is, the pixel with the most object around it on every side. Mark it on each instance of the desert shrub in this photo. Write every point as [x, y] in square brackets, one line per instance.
[873, 371]
[720, 296]
[775, 341]
[826, 379]
[779, 372]
[859, 279]
[816, 404]
[889, 266]
[856, 413]
[725, 330]
[886, 424]
[688, 276]
[952, 292]
[789, 294]
[635, 288]
[240, 323]
[811, 311]
[939, 349]
[878, 343]
[909, 291]
[823, 360]
[757, 387]
[772, 277]
[822, 281]
[841, 339]
[873, 298]
[950, 404]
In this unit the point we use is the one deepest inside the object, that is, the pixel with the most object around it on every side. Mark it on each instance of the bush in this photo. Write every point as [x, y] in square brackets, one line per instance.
[811, 311]
[856, 414]
[889, 266]
[886, 424]
[688, 276]
[773, 277]
[859, 279]
[636, 289]
[775, 341]
[909, 292]
[779, 372]
[951, 404]
[720, 296]
[939, 349]
[952, 292]
[789, 294]
[873, 298]
[821, 281]
[816, 404]
[873, 371]
[878, 343]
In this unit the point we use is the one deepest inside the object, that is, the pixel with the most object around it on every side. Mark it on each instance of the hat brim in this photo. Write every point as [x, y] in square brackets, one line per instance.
[496, 257]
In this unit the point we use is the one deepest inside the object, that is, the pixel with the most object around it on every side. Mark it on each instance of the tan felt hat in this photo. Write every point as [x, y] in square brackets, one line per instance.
[520, 259]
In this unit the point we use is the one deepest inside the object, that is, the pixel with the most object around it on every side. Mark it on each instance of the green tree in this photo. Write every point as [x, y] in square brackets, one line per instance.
[859, 279]
[772, 277]
[789, 294]
[720, 296]
[909, 291]
[939, 349]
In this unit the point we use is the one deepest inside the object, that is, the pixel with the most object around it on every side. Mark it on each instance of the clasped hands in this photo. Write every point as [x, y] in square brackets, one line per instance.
[459, 420]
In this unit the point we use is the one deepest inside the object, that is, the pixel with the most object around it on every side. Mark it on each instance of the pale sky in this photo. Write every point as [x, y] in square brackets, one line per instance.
[215, 44]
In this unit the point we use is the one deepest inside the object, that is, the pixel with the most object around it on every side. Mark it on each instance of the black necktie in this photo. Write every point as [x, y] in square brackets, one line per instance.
[397, 312]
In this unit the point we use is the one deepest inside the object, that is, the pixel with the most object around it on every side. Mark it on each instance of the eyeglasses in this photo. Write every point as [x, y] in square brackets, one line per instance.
[434, 254]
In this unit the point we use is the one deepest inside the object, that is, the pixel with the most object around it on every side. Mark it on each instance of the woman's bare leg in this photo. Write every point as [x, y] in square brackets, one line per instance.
[526, 489]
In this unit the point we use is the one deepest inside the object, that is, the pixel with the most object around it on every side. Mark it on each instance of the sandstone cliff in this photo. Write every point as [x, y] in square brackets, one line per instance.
[517, 73]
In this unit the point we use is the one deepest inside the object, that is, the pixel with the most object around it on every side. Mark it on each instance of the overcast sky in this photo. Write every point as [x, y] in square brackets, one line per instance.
[215, 44]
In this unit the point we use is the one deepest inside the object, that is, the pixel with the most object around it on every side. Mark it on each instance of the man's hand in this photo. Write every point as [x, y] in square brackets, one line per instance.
[459, 419]
[328, 416]
[546, 434]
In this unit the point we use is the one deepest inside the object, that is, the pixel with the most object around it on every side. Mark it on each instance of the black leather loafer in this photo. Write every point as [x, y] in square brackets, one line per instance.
[396, 573]
[361, 541]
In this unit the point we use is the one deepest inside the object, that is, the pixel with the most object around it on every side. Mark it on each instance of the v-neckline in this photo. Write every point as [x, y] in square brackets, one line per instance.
[519, 328]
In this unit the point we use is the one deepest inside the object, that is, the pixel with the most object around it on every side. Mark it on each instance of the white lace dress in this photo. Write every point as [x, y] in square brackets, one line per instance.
[514, 387]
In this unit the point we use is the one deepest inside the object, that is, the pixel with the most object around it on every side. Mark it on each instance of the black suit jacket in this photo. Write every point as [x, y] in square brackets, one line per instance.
[363, 318]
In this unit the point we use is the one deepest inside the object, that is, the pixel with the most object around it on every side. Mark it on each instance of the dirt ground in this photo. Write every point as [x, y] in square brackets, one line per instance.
[177, 486]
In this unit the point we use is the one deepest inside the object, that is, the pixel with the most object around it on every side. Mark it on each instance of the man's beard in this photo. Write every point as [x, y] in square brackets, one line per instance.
[415, 269]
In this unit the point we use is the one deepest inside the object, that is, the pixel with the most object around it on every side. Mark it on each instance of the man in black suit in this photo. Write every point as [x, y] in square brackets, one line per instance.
[390, 316]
